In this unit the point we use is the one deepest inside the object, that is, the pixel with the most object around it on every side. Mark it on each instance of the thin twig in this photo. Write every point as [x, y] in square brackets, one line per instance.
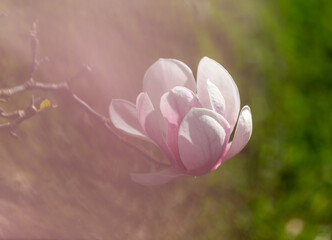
[19, 115]
[57, 88]
[11, 115]
[60, 88]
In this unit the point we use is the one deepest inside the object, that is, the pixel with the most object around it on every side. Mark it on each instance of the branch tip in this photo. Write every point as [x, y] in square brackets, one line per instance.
[84, 70]
[13, 133]
[88, 67]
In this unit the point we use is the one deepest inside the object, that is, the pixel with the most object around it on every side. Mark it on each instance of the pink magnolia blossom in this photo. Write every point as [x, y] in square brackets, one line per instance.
[190, 124]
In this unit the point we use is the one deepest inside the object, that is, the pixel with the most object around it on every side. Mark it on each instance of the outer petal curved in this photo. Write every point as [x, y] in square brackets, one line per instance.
[218, 75]
[217, 101]
[149, 121]
[203, 136]
[123, 115]
[242, 133]
[157, 178]
[164, 75]
[174, 105]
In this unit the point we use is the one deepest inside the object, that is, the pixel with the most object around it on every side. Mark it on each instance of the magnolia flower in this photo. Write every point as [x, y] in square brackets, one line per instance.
[190, 124]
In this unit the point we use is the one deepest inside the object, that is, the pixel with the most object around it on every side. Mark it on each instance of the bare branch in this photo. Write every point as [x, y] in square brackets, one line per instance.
[57, 88]
[11, 115]
[85, 69]
[34, 43]
[19, 115]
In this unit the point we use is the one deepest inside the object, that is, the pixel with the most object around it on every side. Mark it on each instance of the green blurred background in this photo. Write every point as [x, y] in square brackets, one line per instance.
[66, 177]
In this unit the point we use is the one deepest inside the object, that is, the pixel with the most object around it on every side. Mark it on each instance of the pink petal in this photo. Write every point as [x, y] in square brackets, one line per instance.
[216, 99]
[209, 69]
[148, 118]
[174, 105]
[242, 133]
[203, 136]
[123, 115]
[157, 178]
[164, 75]
[221, 159]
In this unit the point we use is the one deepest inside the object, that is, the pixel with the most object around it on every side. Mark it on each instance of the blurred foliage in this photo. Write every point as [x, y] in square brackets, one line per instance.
[65, 177]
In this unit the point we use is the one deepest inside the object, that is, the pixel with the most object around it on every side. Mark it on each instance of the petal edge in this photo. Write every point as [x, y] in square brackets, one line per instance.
[242, 134]
[202, 138]
[123, 115]
[218, 75]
